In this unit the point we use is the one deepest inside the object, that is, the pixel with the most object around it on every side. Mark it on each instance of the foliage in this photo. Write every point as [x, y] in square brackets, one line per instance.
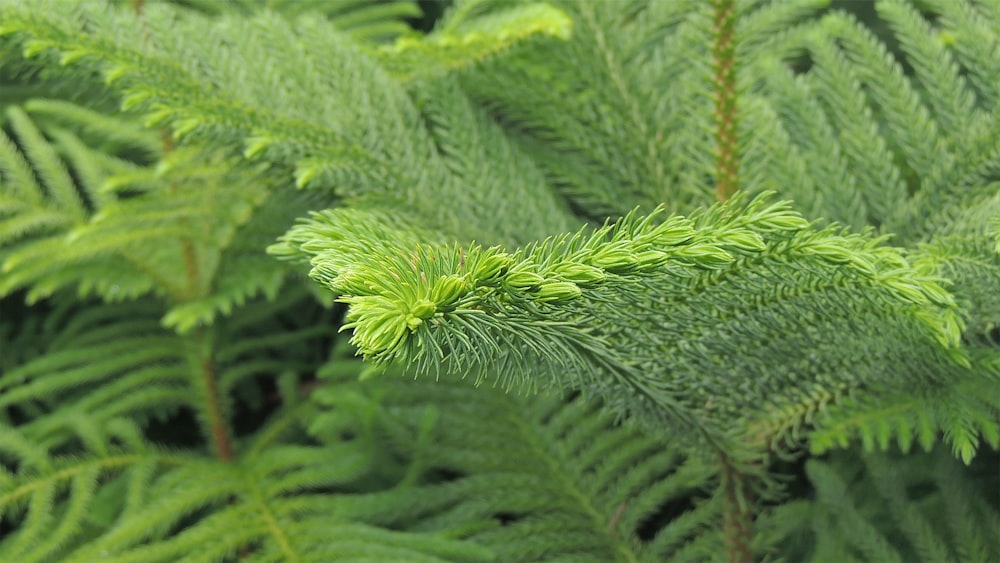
[632, 281]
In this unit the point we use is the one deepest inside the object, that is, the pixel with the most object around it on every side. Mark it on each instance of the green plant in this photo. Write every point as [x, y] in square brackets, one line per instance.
[634, 281]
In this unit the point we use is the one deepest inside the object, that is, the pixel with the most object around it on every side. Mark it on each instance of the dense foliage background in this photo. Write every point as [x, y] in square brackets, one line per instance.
[292, 280]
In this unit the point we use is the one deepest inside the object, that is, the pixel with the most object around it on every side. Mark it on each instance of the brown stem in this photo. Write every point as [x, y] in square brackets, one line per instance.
[205, 362]
[190, 268]
[724, 55]
[167, 139]
[213, 405]
[737, 517]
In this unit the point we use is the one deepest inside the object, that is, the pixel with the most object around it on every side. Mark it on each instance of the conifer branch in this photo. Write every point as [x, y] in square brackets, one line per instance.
[454, 47]
[449, 309]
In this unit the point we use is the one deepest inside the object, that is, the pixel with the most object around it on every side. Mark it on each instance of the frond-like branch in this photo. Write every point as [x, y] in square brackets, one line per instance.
[190, 228]
[875, 509]
[531, 478]
[363, 20]
[456, 45]
[104, 363]
[656, 316]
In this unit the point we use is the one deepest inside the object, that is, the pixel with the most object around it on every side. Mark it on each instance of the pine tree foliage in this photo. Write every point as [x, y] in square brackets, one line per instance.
[878, 508]
[457, 44]
[111, 243]
[85, 466]
[360, 19]
[555, 310]
[518, 210]
[133, 502]
[534, 480]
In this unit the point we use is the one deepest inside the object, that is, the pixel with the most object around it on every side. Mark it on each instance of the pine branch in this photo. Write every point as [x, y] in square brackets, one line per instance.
[573, 311]
[947, 92]
[456, 45]
[134, 244]
[883, 515]
[271, 513]
[105, 363]
[537, 478]
[362, 19]
[961, 407]
[344, 147]
[54, 500]
[601, 149]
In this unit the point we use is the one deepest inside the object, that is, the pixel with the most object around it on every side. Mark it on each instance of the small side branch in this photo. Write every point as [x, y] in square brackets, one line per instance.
[723, 63]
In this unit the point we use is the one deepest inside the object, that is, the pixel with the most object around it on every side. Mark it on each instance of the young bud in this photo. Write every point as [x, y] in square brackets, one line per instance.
[557, 291]
[905, 289]
[938, 295]
[862, 265]
[705, 256]
[423, 309]
[490, 266]
[350, 281]
[379, 323]
[743, 240]
[617, 259]
[649, 259]
[674, 232]
[829, 251]
[413, 321]
[580, 274]
[378, 334]
[784, 221]
[521, 280]
[449, 288]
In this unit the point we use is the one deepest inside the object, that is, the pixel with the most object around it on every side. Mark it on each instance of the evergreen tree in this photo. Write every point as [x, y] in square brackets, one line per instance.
[622, 280]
